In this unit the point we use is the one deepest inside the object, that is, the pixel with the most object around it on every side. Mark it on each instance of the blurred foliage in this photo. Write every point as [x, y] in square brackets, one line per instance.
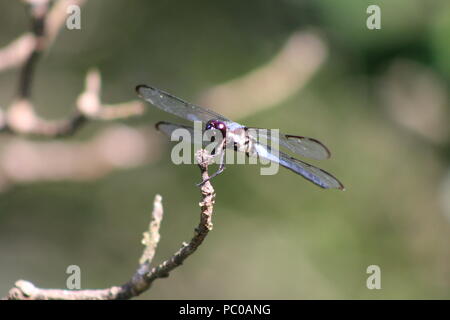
[274, 236]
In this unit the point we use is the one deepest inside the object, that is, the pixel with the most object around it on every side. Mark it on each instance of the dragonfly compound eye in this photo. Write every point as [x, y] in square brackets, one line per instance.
[218, 125]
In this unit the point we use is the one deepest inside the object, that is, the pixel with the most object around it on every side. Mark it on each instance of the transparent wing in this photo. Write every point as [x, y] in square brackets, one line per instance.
[304, 146]
[185, 133]
[316, 175]
[169, 103]
[167, 128]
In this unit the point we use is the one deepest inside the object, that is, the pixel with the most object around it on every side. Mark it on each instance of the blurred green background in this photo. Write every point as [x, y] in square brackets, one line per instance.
[379, 101]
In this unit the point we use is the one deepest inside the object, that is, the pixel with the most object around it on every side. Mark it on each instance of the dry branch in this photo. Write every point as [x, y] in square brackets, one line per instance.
[113, 148]
[22, 118]
[26, 51]
[145, 274]
[18, 51]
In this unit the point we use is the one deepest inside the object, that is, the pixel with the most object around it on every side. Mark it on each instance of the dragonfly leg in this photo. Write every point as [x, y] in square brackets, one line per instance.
[215, 174]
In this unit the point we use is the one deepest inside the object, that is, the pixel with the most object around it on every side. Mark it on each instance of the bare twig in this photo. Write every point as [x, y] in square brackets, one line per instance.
[113, 148]
[26, 51]
[205, 225]
[39, 10]
[151, 237]
[145, 274]
[18, 51]
[22, 118]
[55, 160]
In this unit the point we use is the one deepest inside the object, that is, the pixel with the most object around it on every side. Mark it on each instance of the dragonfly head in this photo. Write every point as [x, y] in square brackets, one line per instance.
[217, 125]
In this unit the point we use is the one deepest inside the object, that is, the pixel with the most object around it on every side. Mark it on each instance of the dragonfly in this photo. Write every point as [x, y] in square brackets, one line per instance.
[245, 139]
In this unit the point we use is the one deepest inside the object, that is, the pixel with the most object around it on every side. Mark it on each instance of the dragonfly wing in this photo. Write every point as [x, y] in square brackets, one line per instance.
[185, 133]
[168, 128]
[169, 103]
[304, 146]
[316, 175]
